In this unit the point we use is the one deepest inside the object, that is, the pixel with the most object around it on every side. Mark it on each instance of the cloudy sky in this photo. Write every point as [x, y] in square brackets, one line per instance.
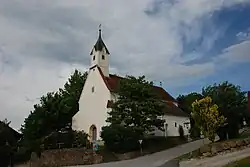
[185, 44]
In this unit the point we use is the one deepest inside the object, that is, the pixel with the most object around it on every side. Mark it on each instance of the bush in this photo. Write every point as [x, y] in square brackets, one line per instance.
[21, 156]
[118, 138]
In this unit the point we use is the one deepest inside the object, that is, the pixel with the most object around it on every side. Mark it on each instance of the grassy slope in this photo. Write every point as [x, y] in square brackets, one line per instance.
[241, 163]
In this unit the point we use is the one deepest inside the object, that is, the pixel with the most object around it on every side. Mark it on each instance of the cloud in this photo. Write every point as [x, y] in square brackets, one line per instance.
[42, 41]
[238, 53]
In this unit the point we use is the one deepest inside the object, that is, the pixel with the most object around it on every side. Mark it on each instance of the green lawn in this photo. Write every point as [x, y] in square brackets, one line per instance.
[241, 163]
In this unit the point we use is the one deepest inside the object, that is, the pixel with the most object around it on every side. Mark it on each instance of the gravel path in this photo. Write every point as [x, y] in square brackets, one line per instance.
[217, 161]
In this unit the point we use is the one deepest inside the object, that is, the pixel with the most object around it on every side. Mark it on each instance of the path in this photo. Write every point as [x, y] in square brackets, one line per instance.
[218, 160]
[156, 159]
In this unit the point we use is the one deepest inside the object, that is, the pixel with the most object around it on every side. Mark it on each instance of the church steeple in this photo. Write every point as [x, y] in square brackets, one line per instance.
[100, 54]
[99, 45]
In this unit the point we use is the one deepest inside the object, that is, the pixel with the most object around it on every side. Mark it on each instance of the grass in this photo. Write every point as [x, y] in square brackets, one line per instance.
[241, 163]
[193, 154]
[244, 135]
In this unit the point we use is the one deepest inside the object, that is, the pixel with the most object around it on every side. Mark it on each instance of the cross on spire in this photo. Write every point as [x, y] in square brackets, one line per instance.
[100, 30]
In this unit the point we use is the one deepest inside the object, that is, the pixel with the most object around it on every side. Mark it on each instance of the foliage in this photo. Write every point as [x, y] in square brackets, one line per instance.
[232, 104]
[181, 132]
[119, 138]
[80, 138]
[185, 103]
[137, 106]
[55, 110]
[134, 114]
[207, 117]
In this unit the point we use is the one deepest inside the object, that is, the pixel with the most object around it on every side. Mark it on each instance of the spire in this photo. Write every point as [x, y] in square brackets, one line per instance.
[100, 31]
[99, 43]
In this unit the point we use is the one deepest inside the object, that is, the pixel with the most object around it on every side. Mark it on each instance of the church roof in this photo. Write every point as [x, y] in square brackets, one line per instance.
[170, 108]
[99, 45]
[112, 83]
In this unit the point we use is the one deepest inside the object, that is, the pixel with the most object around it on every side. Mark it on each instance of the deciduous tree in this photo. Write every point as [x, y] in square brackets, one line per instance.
[55, 109]
[232, 104]
[207, 117]
[136, 112]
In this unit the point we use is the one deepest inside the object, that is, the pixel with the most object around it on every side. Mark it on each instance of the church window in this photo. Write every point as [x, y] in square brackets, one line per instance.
[103, 57]
[175, 124]
[93, 57]
[93, 89]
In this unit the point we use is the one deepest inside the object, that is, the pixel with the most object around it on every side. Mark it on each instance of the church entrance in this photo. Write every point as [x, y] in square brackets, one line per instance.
[93, 133]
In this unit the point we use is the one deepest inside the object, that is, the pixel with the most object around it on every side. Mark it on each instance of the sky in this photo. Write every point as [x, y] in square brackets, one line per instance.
[185, 44]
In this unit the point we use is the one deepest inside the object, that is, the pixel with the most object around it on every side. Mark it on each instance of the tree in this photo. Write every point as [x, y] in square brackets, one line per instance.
[185, 103]
[137, 106]
[136, 112]
[55, 110]
[207, 117]
[232, 104]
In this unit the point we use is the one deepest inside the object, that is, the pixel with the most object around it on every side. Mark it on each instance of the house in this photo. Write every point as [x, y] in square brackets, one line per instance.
[99, 92]
[8, 135]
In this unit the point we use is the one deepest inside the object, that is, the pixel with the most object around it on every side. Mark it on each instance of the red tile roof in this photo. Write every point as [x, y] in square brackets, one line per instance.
[112, 83]
[169, 109]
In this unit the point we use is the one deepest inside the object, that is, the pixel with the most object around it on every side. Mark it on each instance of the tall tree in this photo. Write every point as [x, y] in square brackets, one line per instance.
[134, 114]
[137, 105]
[55, 110]
[207, 117]
[232, 103]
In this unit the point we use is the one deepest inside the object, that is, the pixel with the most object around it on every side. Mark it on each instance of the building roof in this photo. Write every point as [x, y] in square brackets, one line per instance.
[169, 109]
[112, 83]
[99, 45]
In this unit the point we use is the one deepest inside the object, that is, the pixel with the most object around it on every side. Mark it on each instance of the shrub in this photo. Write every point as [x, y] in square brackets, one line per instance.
[118, 138]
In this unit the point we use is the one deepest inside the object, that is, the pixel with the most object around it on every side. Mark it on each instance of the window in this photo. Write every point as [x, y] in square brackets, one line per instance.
[103, 57]
[93, 89]
[175, 124]
[93, 57]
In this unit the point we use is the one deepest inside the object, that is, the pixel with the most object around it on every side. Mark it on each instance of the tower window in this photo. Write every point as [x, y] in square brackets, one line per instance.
[103, 57]
[93, 57]
[93, 89]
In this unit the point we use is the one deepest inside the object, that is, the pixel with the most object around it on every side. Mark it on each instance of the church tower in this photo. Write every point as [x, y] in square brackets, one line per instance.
[100, 55]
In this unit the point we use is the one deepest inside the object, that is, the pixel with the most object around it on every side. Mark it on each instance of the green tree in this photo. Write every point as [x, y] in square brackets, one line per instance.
[55, 110]
[137, 112]
[207, 117]
[232, 103]
[185, 103]
[137, 106]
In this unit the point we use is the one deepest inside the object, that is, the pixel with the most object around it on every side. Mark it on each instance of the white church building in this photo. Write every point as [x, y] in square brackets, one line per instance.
[99, 92]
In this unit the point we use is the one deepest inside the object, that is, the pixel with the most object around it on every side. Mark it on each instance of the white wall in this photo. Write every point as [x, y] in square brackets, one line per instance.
[173, 126]
[92, 105]
[103, 64]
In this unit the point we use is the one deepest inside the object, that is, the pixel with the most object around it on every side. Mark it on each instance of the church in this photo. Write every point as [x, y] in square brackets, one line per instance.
[99, 92]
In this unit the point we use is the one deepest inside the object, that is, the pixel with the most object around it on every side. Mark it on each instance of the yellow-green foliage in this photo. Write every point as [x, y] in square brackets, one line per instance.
[207, 117]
